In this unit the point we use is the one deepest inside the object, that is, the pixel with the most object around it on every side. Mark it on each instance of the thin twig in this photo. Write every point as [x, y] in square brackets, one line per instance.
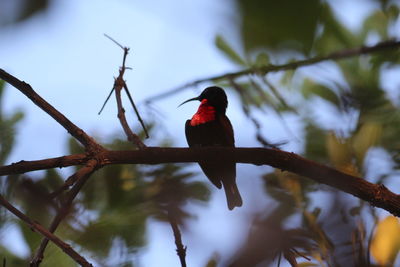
[27, 90]
[112, 39]
[262, 70]
[120, 84]
[82, 176]
[275, 92]
[112, 90]
[90, 165]
[136, 110]
[43, 164]
[40, 229]
[180, 248]
[132, 137]
[105, 102]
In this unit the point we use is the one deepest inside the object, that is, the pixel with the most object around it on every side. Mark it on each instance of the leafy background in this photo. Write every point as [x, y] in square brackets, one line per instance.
[344, 114]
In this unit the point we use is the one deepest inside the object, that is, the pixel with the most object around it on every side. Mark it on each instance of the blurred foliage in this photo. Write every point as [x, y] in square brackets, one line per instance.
[8, 125]
[21, 10]
[385, 243]
[284, 24]
[362, 115]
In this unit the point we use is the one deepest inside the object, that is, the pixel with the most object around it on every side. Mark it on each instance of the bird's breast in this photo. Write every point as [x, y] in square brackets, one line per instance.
[205, 113]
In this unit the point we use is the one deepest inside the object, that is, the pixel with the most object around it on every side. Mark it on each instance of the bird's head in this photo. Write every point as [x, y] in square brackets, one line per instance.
[215, 97]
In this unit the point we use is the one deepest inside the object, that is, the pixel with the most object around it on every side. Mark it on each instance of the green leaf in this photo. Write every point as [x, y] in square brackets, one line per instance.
[287, 77]
[10, 258]
[228, 50]
[339, 150]
[378, 22]
[2, 85]
[262, 60]
[284, 24]
[367, 136]
[311, 88]
[315, 146]
[335, 35]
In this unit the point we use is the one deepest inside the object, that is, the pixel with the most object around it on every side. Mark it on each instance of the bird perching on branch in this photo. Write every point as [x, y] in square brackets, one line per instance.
[210, 126]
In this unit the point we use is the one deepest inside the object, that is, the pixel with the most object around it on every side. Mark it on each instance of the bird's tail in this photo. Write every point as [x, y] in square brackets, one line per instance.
[233, 197]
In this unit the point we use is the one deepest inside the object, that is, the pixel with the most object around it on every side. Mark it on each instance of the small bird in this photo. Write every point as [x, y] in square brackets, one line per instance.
[210, 126]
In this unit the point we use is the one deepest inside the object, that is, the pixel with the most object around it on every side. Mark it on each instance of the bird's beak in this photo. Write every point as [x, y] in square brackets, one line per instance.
[192, 99]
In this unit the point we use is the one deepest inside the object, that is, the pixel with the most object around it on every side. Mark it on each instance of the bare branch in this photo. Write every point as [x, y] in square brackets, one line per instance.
[132, 137]
[386, 45]
[118, 85]
[180, 248]
[40, 229]
[27, 90]
[105, 102]
[81, 177]
[87, 170]
[115, 42]
[377, 195]
[35, 165]
[136, 110]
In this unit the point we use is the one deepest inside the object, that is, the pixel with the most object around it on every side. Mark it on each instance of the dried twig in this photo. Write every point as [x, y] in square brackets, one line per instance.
[91, 166]
[81, 176]
[43, 164]
[136, 110]
[180, 248]
[105, 102]
[40, 229]
[120, 84]
[262, 70]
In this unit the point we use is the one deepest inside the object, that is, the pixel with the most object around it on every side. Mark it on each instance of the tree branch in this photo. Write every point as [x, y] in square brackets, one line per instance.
[132, 137]
[180, 248]
[386, 45]
[40, 229]
[377, 195]
[35, 165]
[120, 84]
[81, 177]
[27, 90]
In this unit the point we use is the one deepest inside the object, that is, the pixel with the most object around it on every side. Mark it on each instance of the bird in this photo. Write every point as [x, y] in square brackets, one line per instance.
[210, 126]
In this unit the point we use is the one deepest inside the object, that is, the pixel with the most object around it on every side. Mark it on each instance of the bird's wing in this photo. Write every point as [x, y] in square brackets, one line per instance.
[191, 136]
[227, 130]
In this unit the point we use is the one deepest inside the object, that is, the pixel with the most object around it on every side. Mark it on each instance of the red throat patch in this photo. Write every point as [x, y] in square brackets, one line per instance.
[204, 114]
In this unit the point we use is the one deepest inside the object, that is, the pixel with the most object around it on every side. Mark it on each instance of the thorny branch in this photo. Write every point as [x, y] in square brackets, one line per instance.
[40, 229]
[120, 84]
[262, 70]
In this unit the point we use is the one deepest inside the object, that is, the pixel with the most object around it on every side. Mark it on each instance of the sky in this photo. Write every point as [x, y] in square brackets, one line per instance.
[65, 57]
